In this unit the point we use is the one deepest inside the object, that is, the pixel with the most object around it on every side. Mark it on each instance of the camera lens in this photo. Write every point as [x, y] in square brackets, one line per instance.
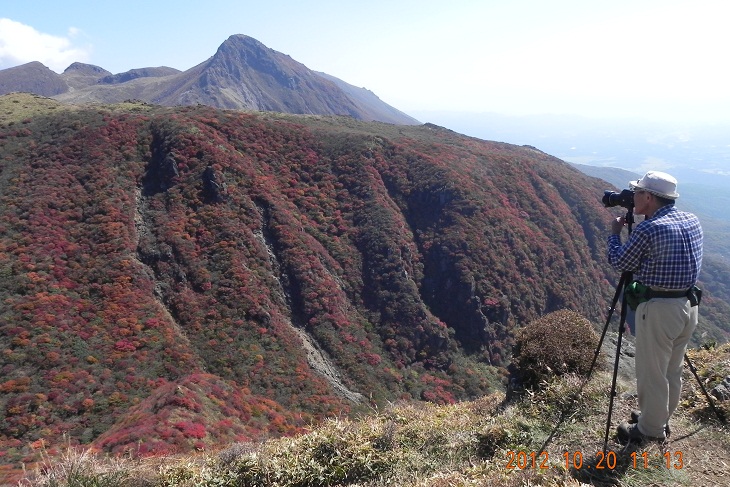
[625, 198]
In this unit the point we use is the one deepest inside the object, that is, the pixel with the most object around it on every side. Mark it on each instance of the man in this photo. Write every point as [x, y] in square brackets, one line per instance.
[664, 253]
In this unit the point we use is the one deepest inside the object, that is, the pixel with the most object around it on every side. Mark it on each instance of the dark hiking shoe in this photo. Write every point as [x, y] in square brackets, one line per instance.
[629, 433]
[635, 419]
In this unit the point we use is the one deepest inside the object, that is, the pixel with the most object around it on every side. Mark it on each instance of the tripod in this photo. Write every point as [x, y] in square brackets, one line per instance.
[625, 280]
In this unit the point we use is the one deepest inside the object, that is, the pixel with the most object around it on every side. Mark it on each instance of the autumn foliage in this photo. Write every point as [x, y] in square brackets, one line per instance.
[159, 267]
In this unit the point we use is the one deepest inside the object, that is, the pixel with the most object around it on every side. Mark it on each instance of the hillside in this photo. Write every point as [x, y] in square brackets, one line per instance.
[180, 278]
[553, 437]
[242, 74]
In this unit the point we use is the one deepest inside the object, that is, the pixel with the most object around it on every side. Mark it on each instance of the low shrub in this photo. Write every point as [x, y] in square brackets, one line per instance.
[559, 343]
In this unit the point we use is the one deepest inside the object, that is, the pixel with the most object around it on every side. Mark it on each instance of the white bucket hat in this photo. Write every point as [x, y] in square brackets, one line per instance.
[657, 183]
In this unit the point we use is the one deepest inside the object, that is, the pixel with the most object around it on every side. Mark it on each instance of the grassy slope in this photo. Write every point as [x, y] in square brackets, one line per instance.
[469, 443]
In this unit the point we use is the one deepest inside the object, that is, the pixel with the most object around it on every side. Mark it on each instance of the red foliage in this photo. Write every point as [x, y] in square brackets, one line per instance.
[171, 318]
[191, 430]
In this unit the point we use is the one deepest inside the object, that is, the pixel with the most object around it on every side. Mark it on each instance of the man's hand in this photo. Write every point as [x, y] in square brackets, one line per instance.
[617, 224]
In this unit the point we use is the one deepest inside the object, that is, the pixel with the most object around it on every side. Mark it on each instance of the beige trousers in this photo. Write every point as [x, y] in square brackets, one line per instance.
[664, 327]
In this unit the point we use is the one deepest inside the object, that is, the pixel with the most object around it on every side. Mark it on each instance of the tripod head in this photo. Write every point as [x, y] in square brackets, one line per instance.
[630, 218]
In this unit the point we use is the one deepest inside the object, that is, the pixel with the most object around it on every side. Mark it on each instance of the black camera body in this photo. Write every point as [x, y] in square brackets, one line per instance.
[625, 199]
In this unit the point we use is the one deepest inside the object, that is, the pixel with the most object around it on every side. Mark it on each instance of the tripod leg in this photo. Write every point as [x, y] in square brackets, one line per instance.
[626, 277]
[613, 385]
[621, 284]
[720, 415]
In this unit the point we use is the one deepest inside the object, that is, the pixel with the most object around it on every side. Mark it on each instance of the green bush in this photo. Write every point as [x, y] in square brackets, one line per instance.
[559, 343]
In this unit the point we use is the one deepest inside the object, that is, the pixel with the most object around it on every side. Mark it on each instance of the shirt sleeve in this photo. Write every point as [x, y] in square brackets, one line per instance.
[628, 257]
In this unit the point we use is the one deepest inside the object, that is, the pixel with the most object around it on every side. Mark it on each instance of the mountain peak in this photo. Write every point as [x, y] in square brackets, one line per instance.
[242, 39]
[240, 49]
[33, 77]
[86, 69]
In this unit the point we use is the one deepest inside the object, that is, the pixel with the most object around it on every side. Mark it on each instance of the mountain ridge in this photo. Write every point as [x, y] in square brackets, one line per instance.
[242, 74]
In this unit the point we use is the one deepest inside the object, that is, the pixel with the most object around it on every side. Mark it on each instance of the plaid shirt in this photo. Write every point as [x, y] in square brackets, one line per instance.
[664, 250]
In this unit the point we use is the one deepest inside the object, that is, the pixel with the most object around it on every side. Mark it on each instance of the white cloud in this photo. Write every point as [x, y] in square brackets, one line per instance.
[718, 172]
[20, 44]
[652, 163]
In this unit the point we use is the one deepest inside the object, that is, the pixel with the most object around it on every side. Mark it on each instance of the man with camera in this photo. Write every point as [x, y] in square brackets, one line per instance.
[664, 253]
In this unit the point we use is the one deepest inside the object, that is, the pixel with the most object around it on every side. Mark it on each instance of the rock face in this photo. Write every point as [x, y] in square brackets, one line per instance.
[242, 74]
[722, 390]
[214, 186]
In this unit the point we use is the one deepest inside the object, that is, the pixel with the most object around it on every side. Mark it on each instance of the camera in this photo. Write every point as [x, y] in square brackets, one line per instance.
[625, 198]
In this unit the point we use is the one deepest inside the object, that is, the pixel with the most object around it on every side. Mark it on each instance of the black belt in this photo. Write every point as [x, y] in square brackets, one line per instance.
[650, 293]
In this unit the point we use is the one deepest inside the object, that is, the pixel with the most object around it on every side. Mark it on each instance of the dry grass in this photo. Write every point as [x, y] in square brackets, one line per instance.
[559, 343]
[15, 108]
[476, 443]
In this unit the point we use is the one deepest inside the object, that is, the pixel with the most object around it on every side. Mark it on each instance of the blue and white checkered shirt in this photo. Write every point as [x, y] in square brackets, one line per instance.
[664, 250]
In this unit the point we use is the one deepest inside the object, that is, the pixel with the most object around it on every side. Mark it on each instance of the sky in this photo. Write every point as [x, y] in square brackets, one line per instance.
[650, 59]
